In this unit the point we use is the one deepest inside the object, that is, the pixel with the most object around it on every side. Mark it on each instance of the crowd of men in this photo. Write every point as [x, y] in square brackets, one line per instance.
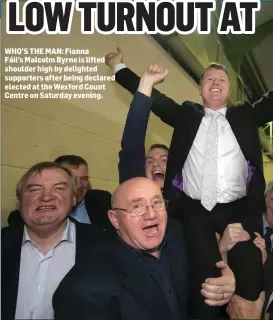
[188, 233]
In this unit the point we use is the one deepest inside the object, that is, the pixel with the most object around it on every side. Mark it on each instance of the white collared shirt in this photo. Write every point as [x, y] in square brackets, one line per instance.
[232, 165]
[41, 274]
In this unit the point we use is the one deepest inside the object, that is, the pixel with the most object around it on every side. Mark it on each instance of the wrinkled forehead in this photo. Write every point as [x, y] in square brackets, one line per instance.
[49, 176]
[138, 191]
[157, 153]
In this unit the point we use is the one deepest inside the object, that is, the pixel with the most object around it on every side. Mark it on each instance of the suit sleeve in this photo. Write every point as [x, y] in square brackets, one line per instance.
[263, 109]
[132, 154]
[70, 302]
[162, 106]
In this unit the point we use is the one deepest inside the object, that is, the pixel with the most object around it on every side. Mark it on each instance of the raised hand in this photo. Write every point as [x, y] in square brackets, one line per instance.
[114, 58]
[219, 291]
[233, 234]
[153, 75]
[260, 243]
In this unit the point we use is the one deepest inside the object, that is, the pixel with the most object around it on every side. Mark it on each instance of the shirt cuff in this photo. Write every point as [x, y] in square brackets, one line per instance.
[118, 67]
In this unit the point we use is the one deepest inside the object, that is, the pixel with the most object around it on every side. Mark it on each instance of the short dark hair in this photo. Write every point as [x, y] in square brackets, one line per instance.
[215, 65]
[71, 160]
[158, 145]
[38, 168]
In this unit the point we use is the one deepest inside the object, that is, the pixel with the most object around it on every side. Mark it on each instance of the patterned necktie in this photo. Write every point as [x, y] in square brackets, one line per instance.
[209, 177]
[267, 238]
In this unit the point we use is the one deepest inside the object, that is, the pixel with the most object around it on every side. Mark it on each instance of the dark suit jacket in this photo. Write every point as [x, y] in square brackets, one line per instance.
[12, 237]
[114, 284]
[268, 273]
[244, 119]
[132, 155]
[97, 203]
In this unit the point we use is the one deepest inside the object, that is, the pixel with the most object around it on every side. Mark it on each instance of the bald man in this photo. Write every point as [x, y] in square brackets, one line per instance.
[142, 273]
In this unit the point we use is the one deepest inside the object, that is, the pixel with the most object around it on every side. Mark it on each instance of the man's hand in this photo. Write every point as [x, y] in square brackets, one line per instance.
[260, 243]
[114, 58]
[240, 308]
[219, 291]
[233, 234]
[153, 75]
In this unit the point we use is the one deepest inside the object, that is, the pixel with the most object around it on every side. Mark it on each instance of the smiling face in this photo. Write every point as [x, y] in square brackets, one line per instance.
[47, 199]
[155, 166]
[214, 88]
[146, 231]
[80, 175]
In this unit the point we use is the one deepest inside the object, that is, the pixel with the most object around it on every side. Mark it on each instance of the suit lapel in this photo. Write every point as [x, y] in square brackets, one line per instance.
[82, 239]
[11, 256]
[142, 284]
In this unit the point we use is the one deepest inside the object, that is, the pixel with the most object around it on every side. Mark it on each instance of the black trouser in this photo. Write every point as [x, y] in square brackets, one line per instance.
[244, 259]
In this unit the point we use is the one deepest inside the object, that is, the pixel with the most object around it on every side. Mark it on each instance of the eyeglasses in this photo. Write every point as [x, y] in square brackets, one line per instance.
[139, 209]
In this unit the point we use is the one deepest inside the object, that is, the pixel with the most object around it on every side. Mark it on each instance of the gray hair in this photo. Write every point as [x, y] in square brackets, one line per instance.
[38, 168]
[268, 188]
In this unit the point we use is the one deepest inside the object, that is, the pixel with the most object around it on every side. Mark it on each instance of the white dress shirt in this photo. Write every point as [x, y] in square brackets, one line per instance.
[232, 165]
[41, 274]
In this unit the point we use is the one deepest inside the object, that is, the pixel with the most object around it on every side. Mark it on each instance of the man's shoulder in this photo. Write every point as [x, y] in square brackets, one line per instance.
[11, 237]
[93, 193]
[87, 231]
[241, 105]
[96, 197]
[97, 268]
[174, 227]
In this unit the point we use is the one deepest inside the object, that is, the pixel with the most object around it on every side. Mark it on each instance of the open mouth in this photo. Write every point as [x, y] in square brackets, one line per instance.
[46, 208]
[158, 175]
[215, 90]
[152, 229]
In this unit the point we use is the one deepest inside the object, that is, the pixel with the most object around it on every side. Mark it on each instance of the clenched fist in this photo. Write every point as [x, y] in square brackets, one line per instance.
[114, 58]
[153, 75]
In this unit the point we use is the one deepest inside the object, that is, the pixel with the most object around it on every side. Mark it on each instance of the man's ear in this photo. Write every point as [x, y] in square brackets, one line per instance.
[18, 204]
[74, 201]
[112, 215]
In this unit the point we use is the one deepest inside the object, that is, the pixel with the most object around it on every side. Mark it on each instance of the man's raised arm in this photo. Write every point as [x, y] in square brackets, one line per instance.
[163, 107]
[132, 154]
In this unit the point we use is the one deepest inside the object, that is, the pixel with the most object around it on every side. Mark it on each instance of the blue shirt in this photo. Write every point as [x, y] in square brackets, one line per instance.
[80, 213]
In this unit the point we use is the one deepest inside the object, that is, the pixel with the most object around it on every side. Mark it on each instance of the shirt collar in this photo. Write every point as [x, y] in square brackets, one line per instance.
[265, 223]
[223, 111]
[81, 204]
[78, 206]
[66, 236]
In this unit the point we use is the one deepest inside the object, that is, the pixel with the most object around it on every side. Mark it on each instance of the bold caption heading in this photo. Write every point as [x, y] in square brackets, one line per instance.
[131, 17]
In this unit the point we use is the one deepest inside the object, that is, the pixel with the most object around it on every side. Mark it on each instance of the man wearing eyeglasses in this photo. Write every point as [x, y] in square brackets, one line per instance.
[140, 274]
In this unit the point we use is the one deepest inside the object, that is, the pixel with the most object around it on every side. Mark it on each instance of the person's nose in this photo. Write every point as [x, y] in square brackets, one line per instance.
[47, 195]
[150, 213]
[78, 183]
